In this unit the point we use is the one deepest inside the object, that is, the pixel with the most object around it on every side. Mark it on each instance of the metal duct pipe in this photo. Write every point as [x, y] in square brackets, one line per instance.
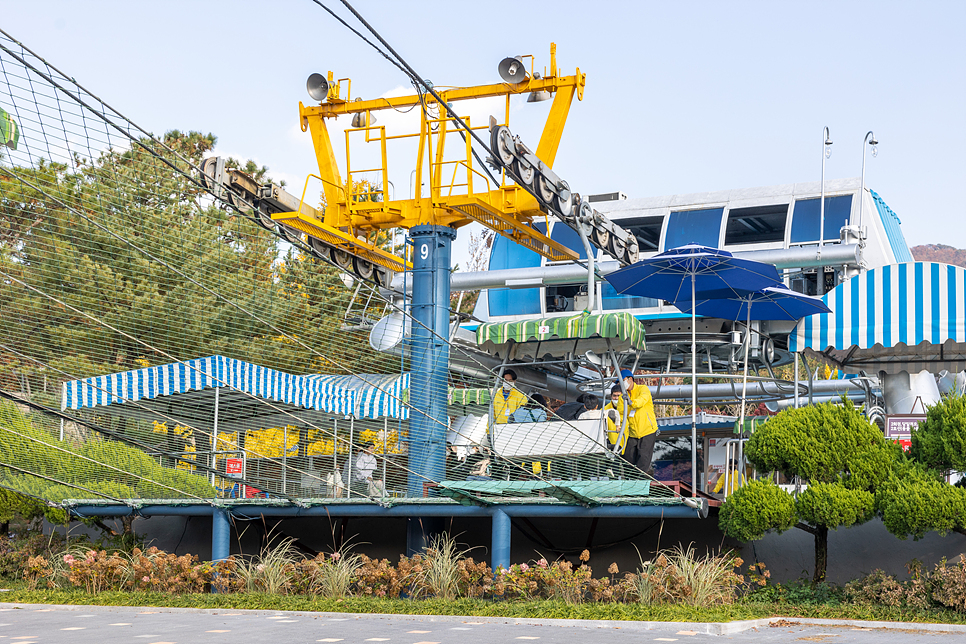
[760, 388]
[909, 393]
[834, 255]
[779, 405]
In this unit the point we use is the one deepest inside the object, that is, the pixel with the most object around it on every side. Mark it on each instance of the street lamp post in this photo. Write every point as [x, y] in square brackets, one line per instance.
[870, 139]
[826, 153]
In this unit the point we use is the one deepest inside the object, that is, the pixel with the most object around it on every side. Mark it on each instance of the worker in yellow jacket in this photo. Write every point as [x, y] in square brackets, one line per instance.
[614, 414]
[641, 423]
[507, 399]
[735, 480]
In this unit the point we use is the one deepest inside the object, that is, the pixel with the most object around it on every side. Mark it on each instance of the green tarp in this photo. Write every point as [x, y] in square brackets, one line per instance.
[560, 335]
[580, 492]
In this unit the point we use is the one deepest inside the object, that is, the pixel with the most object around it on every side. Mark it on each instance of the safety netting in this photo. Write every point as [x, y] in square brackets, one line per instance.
[161, 342]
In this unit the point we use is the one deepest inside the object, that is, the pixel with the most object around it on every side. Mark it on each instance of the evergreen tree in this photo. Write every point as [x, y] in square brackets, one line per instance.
[843, 459]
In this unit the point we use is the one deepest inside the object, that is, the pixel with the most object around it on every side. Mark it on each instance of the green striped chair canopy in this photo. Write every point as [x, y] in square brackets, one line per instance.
[474, 396]
[559, 336]
[9, 130]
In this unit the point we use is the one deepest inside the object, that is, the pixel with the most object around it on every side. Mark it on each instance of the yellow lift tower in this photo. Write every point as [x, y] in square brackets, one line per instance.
[358, 207]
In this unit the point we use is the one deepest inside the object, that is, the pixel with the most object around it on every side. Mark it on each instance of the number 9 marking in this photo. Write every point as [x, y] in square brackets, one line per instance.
[424, 251]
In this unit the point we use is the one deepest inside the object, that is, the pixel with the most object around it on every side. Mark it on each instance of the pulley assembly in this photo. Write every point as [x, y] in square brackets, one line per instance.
[261, 201]
[555, 197]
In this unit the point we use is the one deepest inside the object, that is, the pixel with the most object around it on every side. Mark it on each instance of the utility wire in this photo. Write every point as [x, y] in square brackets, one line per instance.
[460, 123]
[366, 40]
[417, 79]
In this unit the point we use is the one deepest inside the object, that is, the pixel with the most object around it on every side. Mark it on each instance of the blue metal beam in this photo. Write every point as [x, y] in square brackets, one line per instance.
[417, 510]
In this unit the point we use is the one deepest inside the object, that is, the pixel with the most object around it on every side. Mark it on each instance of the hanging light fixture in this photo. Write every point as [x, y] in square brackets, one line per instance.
[362, 119]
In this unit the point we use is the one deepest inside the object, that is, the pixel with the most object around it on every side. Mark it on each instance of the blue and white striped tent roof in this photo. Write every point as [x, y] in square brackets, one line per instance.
[364, 396]
[207, 373]
[900, 317]
[376, 395]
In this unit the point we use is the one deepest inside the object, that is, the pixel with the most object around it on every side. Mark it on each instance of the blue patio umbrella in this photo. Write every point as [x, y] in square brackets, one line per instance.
[770, 303]
[693, 273]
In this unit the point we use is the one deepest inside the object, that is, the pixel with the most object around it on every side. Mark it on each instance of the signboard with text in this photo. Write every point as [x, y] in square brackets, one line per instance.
[233, 467]
[899, 428]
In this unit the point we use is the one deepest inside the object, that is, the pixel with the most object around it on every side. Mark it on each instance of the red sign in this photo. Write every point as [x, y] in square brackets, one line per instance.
[233, 467]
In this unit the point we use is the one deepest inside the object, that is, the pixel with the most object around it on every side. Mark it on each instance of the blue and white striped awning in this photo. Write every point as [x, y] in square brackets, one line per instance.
[207, 373]
[376, 395]
[901, 317]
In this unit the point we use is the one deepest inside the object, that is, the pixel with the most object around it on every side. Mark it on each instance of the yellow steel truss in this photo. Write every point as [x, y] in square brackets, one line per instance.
[355, 209]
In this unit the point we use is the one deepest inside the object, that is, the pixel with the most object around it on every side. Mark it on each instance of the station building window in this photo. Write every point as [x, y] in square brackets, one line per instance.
[694, 226]
[647, 230]
[612, 300]
[806, 217]
[506, 253]
[756, 225]
[570, 238]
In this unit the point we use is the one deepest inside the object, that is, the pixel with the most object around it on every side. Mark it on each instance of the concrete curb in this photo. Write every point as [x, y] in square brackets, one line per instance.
[703, 628]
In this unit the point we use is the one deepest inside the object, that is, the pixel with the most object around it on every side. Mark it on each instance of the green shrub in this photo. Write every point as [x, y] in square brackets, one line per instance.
[755, 508]
[826, 443]
[916, 501]
[940, 441]
[831, 504]
[54, 470]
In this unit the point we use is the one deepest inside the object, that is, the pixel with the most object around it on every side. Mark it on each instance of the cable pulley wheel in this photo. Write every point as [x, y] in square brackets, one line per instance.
[633, 253]
[600, 237]
[572, 363]
[318, 247]
[362, 268]
[341, 258]
[264, 219]
[564, 201]
[544, 190]
[617, 247]
[206, 179]
[286, 233]
[504, 147]
[383, 276]
[524, 172]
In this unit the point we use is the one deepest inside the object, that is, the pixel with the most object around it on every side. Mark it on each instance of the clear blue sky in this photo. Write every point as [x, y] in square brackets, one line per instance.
[681, 96]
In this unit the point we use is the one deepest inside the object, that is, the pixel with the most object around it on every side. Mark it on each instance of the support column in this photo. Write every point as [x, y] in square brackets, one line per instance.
[220, 535]
[500, 541]
[430, 369]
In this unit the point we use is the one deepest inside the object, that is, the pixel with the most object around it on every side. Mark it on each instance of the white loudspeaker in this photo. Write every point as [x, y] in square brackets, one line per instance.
[512, 70]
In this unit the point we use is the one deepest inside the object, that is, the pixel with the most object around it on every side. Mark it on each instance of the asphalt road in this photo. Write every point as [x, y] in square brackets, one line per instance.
[29, 624]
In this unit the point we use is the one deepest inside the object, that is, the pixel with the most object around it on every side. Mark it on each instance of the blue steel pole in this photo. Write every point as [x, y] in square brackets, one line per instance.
[429, 366]
[220, 535]
[500, 540]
